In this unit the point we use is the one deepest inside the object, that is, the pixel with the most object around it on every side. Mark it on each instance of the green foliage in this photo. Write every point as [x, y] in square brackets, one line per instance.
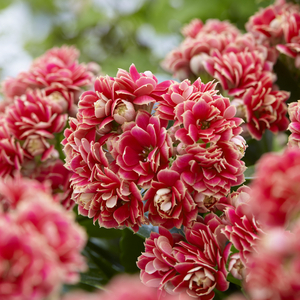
[131, 247]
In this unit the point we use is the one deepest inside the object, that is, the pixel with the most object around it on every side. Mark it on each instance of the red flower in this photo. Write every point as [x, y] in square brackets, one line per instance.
[158, 261]
[210, 170]
[112, 202]
[33, 120]
[168, 201]
[201, 262]
[142, 149]
[243, 230]
[11, 153]
[294, 126]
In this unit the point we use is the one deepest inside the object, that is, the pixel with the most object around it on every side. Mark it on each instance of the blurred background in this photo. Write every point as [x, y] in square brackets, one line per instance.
[113, 33]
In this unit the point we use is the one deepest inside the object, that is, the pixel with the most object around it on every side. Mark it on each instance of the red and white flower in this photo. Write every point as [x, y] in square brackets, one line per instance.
[168, 201]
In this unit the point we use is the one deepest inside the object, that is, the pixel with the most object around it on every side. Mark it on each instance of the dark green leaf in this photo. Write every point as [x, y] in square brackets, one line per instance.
[131, 248]
[95, 231]
[95, 278]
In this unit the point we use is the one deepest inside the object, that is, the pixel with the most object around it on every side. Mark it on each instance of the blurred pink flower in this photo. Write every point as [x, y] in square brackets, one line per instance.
[58, 228]
[188, 59]
[275, 189]
[192, 29]
[123, 287]
[269, 22]
[273, 271]
[31, 206]
[56, 70]
[19, 189]
[29, 267]
[54, 172]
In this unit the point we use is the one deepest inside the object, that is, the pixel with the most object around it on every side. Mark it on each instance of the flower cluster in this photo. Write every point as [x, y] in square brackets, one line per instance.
[278, 24]
[193, 267]
[33, 115]
[40, 242]
[242, 63]
[57, 73]
[116, 148]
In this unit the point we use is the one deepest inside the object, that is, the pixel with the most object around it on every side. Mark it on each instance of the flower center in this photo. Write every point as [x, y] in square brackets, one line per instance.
[162, 199]
[203, 125]
[144, 154]
[121, 109]
[209, 201]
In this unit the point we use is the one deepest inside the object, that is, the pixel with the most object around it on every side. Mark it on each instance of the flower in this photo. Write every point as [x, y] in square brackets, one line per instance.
[158, 261]
[11, 153]
[29, 268]
[243, 230]
[206, 119]
[201, 262]
[112, 202]
[142, 149]
[178, 93]
[30, 206]
[56, 71]
[294, 138]
[269, 22]
[33, 120]
[122, 287]
[210, 169]
[201, 41]
[61, 233]
[192, 29]
[273, 271]
[275, 189]
[168, 201]
[237, 71]
[53, 171]
[236, 267]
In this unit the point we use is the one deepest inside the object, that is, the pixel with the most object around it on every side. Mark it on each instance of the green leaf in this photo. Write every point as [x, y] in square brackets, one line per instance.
[99, 232]
[145, 230]
[101, 263]
[94, 277]
[231, 279]
[249, 173]
[131, 248]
